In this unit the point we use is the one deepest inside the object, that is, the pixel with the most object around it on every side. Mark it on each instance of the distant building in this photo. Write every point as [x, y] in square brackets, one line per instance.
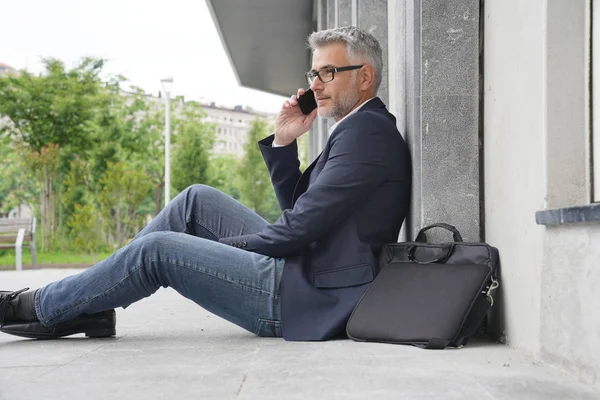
[232, 124]
[7, 69]
[232, 127]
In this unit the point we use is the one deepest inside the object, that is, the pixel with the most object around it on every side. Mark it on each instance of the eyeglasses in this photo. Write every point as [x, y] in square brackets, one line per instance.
[326, 74]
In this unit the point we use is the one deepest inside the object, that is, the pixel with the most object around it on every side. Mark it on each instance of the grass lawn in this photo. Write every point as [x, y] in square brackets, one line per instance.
[7, 257]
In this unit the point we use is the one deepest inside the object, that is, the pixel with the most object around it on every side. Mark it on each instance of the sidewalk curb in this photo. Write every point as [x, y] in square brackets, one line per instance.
[44, 266]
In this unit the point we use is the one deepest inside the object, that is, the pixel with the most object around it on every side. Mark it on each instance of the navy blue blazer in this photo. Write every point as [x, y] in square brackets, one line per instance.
[336, 217]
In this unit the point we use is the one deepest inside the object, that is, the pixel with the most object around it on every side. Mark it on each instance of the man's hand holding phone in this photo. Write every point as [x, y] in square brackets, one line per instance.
[291, 122]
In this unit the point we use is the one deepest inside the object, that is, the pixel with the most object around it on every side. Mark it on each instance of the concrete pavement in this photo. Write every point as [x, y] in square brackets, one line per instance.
[169, 348]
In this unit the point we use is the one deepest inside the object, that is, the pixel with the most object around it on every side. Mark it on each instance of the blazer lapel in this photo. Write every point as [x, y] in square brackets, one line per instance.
[302, 184]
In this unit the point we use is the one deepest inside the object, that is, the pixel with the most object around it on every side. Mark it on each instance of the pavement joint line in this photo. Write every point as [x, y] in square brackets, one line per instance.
[30, 366]
[241, 385]
[472, 379]
[70, 361]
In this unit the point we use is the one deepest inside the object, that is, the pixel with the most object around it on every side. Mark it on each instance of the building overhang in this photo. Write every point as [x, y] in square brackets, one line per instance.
[265, 41]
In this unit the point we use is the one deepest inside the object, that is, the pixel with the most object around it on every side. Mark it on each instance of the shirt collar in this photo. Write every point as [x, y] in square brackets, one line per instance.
[347, 115]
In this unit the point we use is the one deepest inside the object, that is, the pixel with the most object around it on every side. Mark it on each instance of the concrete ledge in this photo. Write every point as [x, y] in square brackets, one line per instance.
[569, 215]
[46, 266]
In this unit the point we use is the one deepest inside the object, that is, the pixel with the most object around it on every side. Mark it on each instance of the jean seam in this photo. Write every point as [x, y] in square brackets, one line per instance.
[38, 308]
[260, 321]
[200, 222]
[138, 267]
[204, 271]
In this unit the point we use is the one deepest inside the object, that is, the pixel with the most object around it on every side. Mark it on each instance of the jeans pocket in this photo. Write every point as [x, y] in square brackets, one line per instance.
[268, 328]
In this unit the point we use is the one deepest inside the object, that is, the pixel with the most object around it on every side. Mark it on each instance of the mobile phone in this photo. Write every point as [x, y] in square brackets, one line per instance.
[307, 102]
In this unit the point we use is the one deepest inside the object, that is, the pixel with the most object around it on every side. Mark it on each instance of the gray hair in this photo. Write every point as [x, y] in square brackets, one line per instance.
[360, 44]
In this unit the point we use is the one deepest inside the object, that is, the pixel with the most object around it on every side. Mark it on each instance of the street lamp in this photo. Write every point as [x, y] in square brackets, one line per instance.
[167, 84]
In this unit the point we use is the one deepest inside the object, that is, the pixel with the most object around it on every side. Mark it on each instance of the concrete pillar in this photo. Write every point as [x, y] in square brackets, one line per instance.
[331, 14]
[344, 12]
[372, 17]
[435, 61]
[441, 79]
[318, 132]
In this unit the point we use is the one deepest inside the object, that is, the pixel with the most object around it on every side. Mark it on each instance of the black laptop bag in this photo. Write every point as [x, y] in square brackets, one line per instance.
[427, 295]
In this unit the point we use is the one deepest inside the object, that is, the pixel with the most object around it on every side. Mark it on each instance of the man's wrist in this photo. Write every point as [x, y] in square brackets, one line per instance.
[279, 143]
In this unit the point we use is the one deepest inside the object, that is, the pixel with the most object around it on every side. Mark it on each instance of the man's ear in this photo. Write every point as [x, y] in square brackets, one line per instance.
[366, 77]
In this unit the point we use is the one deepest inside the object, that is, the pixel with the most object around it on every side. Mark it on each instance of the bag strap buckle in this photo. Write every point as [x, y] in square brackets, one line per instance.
[488, 294]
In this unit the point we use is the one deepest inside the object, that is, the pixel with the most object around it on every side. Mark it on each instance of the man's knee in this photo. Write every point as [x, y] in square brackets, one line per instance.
[154, 241]
[201, 191]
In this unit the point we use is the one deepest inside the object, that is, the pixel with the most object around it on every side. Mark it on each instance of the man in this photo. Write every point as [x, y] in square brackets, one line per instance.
[300, 277]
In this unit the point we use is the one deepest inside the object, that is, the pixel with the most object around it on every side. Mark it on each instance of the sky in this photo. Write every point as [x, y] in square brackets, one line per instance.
[144, 40]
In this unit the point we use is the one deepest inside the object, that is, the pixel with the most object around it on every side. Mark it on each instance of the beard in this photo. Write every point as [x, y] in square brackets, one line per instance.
[342, 104]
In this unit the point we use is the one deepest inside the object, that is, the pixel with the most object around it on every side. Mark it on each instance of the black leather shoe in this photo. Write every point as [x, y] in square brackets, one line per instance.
[96, 325]
[7, 311]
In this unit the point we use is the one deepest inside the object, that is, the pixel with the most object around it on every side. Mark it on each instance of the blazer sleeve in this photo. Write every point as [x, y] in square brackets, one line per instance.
[284, 168]
[358, 163]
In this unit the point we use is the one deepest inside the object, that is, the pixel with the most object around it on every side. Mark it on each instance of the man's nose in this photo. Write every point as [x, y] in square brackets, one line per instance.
[317, 85]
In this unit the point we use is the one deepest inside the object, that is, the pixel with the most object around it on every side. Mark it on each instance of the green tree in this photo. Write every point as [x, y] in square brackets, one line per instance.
[17, 185]
[125, 189]
[193, 143]
[256, 190]
[113, 138]
[84, 229]
[50, 114]
[83, 223]
[222, 174]
[144, 140]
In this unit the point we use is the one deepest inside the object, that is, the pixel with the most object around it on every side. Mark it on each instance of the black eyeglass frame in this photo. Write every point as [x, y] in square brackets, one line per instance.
[317, 74]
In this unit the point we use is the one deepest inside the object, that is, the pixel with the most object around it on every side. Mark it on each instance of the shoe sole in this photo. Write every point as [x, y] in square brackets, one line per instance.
[100, 333]
[92, 334]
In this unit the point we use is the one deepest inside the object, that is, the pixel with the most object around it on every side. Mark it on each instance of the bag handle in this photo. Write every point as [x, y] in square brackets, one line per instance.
[421, 237]
[445, 253]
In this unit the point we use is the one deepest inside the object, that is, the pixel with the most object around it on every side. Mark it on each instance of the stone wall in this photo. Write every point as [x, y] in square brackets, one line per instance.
[438, 111]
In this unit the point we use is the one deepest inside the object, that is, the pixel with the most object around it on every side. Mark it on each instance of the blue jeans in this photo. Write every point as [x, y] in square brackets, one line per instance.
[180, 249]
